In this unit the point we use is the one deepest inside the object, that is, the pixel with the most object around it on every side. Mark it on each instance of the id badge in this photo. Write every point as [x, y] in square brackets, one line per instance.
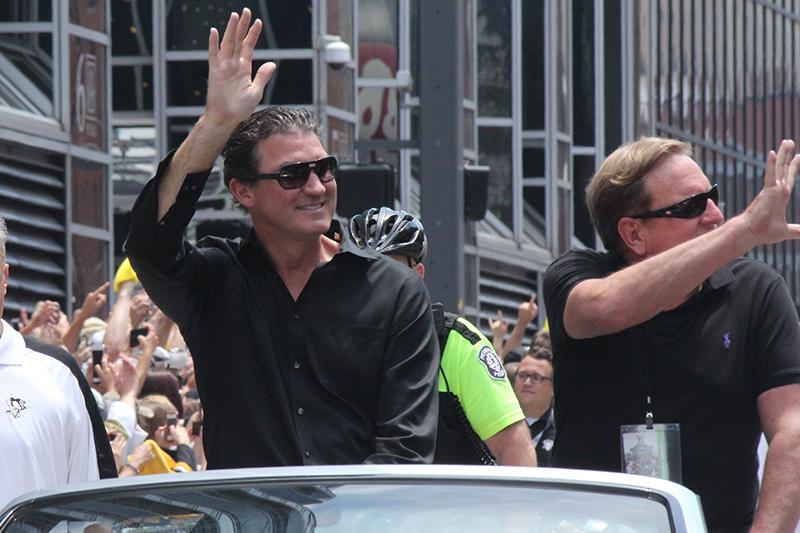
[652, 451]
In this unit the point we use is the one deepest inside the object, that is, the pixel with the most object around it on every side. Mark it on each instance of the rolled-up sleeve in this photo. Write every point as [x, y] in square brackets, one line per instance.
[167, 265]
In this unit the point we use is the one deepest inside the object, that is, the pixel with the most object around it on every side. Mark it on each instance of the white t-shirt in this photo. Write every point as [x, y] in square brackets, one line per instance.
[45, 434]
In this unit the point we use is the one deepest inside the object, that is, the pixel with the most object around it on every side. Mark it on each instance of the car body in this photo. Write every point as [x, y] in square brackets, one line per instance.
[364, 498]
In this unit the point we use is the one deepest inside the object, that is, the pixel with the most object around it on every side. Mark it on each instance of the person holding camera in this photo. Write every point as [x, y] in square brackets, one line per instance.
[307, 350]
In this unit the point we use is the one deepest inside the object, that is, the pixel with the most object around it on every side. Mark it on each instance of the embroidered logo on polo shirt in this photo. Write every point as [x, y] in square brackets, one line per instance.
[493, 365]
[726, 341]
[15, 406]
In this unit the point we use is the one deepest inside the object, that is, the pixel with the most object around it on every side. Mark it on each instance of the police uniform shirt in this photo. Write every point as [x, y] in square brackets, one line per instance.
[45, 433]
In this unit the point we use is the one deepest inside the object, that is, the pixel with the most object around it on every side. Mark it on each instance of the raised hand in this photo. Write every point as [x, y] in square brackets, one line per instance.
[141, 307]
[233, 93]
[766, 214]
[95, 300]
[499, 326]
[528, 310]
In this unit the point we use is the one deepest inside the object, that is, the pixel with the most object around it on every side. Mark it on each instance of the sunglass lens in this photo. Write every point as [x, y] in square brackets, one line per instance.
[326, 168]
[294, 176]
[696, 206]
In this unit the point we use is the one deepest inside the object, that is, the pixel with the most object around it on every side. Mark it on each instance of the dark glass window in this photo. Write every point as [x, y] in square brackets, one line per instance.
[291, 83]
[612, 59]
[494, 58]
[533, 65]
[131, 27]
[286, 24]
[583, 72]
[32, 54]
[133, 87]
[25, 11]
[494, 145]
[583, 170]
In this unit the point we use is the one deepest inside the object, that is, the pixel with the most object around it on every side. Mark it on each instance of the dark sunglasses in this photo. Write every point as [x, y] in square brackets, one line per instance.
[295, 175]
[694, 206]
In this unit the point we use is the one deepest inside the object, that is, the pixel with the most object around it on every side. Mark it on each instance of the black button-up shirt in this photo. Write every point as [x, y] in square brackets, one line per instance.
[344, 374]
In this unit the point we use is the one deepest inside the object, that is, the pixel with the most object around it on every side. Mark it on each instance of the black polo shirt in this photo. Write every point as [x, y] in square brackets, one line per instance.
[705, 364]
[345, 374]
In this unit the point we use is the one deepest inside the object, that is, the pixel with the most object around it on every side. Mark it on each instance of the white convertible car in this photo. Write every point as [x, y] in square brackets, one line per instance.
[360, 498]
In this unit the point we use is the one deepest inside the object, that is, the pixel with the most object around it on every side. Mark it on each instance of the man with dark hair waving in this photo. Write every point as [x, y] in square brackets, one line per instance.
[307, 349]
[480, 420]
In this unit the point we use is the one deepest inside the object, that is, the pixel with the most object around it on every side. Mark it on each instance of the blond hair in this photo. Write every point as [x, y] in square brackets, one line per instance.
[617, 189]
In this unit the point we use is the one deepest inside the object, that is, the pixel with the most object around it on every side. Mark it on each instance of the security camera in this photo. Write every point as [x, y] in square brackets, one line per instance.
[337, 54]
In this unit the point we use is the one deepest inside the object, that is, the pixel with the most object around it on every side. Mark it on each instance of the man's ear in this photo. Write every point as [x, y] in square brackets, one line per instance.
[420, 270]
[242, 191]
[633, 234]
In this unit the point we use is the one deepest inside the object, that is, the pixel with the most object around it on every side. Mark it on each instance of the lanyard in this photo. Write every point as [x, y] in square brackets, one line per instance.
[651, 385]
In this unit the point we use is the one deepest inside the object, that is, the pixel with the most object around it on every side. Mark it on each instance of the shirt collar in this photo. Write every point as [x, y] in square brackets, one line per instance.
[12, 346]
[337, 231]
[721, 277]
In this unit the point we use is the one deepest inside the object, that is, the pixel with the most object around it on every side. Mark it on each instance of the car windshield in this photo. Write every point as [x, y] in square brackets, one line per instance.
[355, 506]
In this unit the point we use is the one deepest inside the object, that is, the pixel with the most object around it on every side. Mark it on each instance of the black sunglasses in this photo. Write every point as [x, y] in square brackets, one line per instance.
[691, 207]
[295, 175]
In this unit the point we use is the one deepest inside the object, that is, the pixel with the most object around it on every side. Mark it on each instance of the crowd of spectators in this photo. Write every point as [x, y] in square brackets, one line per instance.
[140, 371]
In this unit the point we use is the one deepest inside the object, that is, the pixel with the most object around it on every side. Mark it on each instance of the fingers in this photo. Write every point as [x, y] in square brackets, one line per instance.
[769, 174]
[227, 47]
[250, 40]
[533, 298]
[101, 289]
[791, 175]
[263, 75]
[779, 165]
[213, 49]
[241, 31]
[785, 150]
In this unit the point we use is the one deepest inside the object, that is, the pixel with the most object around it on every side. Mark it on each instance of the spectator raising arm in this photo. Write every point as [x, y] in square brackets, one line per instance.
[499, 328]
[92, 304]
[527, 312]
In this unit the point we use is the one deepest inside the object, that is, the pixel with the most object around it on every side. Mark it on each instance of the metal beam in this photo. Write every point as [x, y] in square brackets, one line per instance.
[441, 125]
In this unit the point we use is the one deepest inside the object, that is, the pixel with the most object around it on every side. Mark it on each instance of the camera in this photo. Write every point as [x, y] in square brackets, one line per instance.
[337, 54]
[134, 340]
[172, 419]
[97, 358]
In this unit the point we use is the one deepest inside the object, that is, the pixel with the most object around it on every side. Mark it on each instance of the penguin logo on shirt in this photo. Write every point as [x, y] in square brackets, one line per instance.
[15, 406]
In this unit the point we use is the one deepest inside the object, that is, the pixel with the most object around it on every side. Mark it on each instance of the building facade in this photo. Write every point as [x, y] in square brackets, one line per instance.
[545, 89]
[55, 161]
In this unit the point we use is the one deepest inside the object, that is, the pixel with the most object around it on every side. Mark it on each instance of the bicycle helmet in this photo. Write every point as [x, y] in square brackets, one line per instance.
[390, 232]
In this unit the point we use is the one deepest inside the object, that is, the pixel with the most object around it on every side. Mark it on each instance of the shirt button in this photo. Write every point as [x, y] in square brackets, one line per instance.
[307, 454]
[296, 365]
[300, 411]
